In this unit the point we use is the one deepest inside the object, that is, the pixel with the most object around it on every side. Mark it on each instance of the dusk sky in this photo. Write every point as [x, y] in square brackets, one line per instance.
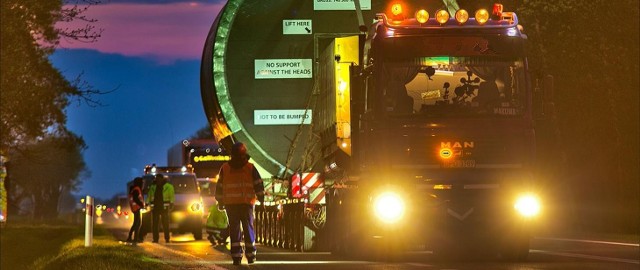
[150, 52]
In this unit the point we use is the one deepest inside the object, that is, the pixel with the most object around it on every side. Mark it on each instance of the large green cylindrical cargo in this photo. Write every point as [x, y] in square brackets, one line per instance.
[259, 67]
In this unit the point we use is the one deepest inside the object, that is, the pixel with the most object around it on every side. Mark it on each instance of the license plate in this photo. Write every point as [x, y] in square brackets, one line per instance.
[460, 163]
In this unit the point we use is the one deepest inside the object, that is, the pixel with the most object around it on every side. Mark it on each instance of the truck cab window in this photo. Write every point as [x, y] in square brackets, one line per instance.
[476, 86]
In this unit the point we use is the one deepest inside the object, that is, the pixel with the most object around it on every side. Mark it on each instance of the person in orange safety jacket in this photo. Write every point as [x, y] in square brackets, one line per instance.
[239, 186]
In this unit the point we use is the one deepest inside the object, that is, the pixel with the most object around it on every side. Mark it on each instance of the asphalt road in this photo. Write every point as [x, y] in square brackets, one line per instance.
[546, 253]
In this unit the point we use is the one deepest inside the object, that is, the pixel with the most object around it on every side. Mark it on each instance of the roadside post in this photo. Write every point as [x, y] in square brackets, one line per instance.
[88, 228]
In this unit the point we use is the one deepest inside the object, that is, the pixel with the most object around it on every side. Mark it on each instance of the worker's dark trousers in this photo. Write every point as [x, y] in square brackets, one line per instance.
[135, 227]
[241, 214]
[157, 214]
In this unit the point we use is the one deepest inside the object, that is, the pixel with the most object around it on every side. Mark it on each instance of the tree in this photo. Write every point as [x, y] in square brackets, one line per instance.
[48, 167]
[596, 66]
[34, 93]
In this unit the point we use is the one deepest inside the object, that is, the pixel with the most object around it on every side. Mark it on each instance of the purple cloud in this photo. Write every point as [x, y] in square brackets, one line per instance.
[165, 32]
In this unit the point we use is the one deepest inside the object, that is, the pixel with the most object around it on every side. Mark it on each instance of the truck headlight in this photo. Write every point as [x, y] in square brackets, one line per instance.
[527, 205]
[389, 207]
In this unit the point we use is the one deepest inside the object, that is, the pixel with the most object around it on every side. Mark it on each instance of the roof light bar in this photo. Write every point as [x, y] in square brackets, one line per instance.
[422, 16]
[482, 16]
[462, 16]
[497, 11]
[396, 9]
[442, 16]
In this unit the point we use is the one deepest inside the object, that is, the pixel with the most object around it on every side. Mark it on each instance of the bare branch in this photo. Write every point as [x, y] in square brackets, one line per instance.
[86, 92]
[76, 12]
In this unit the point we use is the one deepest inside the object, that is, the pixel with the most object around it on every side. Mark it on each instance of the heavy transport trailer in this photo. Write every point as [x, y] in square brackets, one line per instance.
[421, 123]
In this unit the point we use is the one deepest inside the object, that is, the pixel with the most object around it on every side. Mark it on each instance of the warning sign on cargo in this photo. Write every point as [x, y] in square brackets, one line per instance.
[281, 117]
[283, 68]
[340, 5]
[297, 27]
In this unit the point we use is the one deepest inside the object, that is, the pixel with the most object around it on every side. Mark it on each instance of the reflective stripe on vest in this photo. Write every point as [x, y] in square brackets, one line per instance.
[237, 187]
[132, 203]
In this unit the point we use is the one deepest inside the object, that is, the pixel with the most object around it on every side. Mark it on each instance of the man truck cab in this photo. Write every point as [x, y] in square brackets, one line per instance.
[449, 101]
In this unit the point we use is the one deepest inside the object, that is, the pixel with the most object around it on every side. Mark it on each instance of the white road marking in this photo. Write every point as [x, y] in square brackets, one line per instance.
[187, 244]
[293, 262]
[589, 241]
[293, 253]
[583, 256]
[419, 265]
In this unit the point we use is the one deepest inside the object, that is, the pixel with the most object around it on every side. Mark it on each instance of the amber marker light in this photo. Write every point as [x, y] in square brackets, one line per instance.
[396, 9]
[462, 16]
[482, 16]
[442, 16]
[446, 153]
[422, 16]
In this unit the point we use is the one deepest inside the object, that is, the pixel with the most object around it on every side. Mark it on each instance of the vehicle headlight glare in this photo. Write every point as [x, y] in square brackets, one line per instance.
[389, 207]
[195, 207]
[527, 205]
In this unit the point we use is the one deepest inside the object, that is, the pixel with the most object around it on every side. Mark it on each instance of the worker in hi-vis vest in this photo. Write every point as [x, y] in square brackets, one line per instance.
[162, 196]
[239, 185]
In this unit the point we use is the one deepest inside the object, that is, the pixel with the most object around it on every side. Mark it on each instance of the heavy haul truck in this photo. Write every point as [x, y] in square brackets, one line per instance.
[421, 124]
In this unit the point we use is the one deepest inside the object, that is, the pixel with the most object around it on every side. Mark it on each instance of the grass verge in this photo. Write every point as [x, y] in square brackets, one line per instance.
[62, 247]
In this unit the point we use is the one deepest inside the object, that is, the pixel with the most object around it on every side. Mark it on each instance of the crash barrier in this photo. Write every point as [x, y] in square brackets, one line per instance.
[291, 225]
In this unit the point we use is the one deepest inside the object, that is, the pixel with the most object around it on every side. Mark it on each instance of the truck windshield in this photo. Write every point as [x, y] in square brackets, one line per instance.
[184, 184]
[443, 86]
